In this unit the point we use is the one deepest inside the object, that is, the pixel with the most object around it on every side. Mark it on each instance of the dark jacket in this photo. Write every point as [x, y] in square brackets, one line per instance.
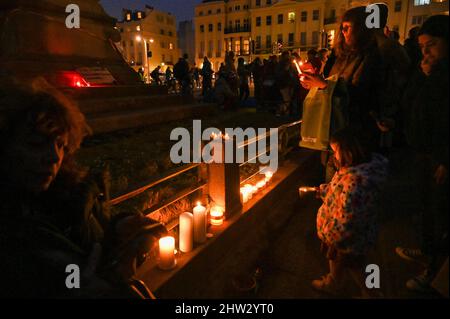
[426, 114]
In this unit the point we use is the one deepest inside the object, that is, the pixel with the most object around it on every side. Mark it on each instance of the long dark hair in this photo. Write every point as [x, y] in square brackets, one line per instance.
[364, 37]
[352, 150]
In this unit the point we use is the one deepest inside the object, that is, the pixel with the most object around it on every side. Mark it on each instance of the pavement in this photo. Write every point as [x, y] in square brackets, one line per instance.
[294, 258]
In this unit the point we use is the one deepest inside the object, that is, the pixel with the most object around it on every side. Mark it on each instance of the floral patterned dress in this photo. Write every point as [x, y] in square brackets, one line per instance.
[347, 219]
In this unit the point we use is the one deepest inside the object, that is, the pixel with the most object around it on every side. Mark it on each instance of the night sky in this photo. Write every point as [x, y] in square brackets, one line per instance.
[182, 9]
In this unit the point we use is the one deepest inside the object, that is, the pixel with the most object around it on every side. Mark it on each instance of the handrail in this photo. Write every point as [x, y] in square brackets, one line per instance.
[175, 198]
[147, 185]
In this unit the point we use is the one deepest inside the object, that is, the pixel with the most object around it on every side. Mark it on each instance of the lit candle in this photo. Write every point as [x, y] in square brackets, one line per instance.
[167, 253]
[261, 184]
[249, 189]
[216, 216]
[244, 195]
[199, 224]
[186, 232]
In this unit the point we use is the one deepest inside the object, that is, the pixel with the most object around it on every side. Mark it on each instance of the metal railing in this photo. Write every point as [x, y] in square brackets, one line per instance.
[201, 184]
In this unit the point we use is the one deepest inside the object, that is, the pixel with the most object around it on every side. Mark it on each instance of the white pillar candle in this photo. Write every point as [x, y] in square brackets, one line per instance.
[167, 252]
[199, 223]
[186, 232]
[216, 216]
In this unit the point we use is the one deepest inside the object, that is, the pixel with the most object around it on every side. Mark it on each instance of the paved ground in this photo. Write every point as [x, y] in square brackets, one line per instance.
[294, 259]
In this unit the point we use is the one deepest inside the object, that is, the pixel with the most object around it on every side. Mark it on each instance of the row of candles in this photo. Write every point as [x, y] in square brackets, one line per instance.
[248, 190]
[192, 226]
[192, 229]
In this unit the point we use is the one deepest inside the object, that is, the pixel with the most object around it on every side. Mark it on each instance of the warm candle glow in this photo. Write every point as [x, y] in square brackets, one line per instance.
[167, 252]
[200, 222]
[261, 184]
[269, 176]
[216, 216]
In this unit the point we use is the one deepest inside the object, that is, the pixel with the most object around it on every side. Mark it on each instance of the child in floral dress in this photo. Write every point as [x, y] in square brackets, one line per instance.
[347, 219]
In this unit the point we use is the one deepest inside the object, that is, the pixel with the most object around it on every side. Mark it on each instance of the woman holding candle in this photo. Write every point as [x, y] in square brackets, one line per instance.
[359, 65]
[347, 219]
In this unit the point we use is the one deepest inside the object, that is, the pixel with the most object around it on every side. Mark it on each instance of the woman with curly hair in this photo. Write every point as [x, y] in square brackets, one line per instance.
[52, 213]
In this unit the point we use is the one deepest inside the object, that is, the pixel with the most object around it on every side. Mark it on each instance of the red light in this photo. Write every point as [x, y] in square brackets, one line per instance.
[72, 79]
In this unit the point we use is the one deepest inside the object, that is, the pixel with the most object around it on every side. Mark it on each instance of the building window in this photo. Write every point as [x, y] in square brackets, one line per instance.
[161, 32]
[237, 47]
[291, 40]
[139, 15]
[128, 16]
[171, 46]
[258, 21]
[280, 38]
[315, 37]
[219, 26]
[246, 23]
[258, 3]
[209, 11]
[219, 11]
[163, 44]
[419, 19]
[303, 38]
[304, 16]
[398, 6]
[258, 42]
[138, 28]
[219, 48]
[170, 33]
[268, 42]
[280, 19]
[246, 46]
[210, 27]
[421, 2]
[237, 8]
[210, 48]
[200, 13]
[268, 20]
[291, 17]
[268, 1]
[333, 13]
[246, 7]
[315, 15]
[202, 28]
[237, 24]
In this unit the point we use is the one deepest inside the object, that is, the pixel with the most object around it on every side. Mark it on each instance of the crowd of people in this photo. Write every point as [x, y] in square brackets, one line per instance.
[396, 94]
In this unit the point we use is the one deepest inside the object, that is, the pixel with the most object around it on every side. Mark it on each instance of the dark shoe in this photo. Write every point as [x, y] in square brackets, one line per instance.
[412, 254]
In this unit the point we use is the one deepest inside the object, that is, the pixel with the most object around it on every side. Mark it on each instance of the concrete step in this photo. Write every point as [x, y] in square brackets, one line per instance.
[114, 121]
[97, 106]
[115, 91]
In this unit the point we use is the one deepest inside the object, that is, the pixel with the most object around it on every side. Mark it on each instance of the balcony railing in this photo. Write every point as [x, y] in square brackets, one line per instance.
[237, 29]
